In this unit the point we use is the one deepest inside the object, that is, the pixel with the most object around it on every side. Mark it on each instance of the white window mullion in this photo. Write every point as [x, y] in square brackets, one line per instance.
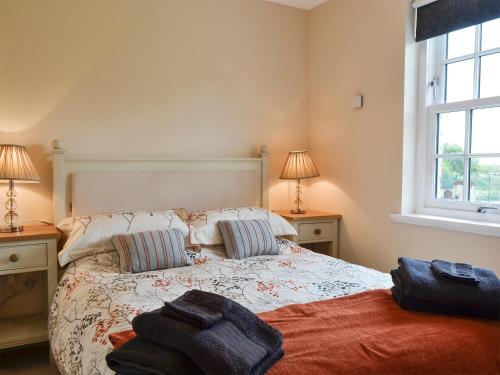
[429, 178]
[477, 62]
[441, 68]
[467, 151]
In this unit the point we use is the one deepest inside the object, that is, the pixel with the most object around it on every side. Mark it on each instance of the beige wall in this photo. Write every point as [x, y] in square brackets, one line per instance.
[169, 77]
[218, 78]
[359, 46]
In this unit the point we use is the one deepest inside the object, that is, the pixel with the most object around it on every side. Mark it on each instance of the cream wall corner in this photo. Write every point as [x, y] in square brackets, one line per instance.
[359, 46]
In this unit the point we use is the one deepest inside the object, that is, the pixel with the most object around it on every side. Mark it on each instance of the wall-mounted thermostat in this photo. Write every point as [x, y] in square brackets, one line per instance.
[357, 101]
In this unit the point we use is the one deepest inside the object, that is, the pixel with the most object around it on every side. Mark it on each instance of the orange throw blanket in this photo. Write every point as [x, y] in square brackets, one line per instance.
[369, 333]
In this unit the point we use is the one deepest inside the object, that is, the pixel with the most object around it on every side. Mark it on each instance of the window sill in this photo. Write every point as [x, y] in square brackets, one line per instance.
[459, 225]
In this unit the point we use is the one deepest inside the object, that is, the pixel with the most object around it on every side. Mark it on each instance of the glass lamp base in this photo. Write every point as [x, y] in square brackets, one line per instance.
[11, 217]
[9, 229]
[298, 212]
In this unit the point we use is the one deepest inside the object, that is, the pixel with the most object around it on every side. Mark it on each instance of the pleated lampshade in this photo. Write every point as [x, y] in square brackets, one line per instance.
[16, 165]
[298, 165]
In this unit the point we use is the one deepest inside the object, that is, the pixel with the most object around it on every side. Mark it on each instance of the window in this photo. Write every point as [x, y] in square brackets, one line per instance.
[460, 146]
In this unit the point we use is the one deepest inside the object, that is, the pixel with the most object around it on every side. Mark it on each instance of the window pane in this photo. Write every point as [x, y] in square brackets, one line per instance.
[451, 132]
[461, 42]
[460, 81]
[485, 136]
[490, 37]
[485, 180]
[490, 76]
[450, 178]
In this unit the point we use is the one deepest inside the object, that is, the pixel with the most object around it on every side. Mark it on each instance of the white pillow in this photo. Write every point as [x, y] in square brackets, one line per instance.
[203, 228]
[92, 234]
[66, 226]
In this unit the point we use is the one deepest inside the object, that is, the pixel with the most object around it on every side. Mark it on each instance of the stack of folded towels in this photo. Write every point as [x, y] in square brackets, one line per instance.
[199, 333]
[448, 288]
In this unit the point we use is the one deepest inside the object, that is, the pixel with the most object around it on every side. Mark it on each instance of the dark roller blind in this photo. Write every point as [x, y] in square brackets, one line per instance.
[444, 16]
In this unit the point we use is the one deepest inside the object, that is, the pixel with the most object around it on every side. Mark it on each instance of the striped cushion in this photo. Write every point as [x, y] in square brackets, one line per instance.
[248, 238]
[149, 251]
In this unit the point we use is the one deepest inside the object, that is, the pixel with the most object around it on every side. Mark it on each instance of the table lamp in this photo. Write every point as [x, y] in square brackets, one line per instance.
[15, 165]
[298, 166]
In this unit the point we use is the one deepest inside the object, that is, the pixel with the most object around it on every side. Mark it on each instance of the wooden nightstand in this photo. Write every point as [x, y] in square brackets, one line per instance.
[317, 230]
[33, 250]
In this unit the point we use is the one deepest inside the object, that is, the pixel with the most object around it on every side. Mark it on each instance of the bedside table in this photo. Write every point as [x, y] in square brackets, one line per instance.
[32, 250]
[316, 229]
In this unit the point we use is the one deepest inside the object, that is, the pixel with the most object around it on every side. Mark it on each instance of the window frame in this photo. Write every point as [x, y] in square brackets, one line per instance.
[432, 68]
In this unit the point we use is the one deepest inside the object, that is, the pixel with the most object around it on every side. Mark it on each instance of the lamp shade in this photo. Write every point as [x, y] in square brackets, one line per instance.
[15, 164]
[298, 165]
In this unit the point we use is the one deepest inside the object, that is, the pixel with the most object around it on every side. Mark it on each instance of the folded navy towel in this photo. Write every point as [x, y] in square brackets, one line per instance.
[237, 343]
[414, 281]
[139, 357]
[455, 272]
[198, 308]
[415, 304]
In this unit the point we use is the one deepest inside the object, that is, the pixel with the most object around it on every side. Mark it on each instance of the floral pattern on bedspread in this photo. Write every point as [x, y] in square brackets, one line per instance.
[93, 299]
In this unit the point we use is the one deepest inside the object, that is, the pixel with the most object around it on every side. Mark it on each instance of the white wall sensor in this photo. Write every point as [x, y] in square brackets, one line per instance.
[357, 101]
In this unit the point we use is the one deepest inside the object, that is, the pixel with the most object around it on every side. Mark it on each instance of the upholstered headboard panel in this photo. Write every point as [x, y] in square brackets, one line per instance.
[95, 192]
[90, 184]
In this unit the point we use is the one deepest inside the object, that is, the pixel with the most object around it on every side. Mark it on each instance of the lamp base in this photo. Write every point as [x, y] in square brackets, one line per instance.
[298, 212]
[11, 217]
[9, 229]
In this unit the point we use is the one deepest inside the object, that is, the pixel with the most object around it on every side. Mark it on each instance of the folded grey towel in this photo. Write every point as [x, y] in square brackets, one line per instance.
[455, 272]
[139, 357]
[238, 343]
[416, 287]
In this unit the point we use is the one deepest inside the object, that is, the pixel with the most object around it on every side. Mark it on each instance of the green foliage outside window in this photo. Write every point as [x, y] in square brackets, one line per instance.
[485, 178]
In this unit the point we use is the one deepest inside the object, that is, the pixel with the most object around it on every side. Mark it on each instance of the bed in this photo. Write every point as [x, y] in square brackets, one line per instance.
[93, 299]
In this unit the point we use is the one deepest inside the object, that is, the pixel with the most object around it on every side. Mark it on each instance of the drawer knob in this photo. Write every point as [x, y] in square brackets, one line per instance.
[317, 231]
[14, 258]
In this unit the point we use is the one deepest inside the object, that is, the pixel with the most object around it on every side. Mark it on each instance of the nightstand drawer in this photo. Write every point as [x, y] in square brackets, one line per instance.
[23, 256]
[315, 231]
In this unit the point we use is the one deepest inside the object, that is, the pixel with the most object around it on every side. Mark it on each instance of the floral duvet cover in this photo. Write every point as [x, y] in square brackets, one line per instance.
[93, 299]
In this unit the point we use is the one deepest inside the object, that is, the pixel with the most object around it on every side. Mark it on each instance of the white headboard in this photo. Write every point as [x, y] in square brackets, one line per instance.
[85, 185]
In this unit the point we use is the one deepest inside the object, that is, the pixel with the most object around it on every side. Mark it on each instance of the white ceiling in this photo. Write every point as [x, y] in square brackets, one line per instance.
[303, 4]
